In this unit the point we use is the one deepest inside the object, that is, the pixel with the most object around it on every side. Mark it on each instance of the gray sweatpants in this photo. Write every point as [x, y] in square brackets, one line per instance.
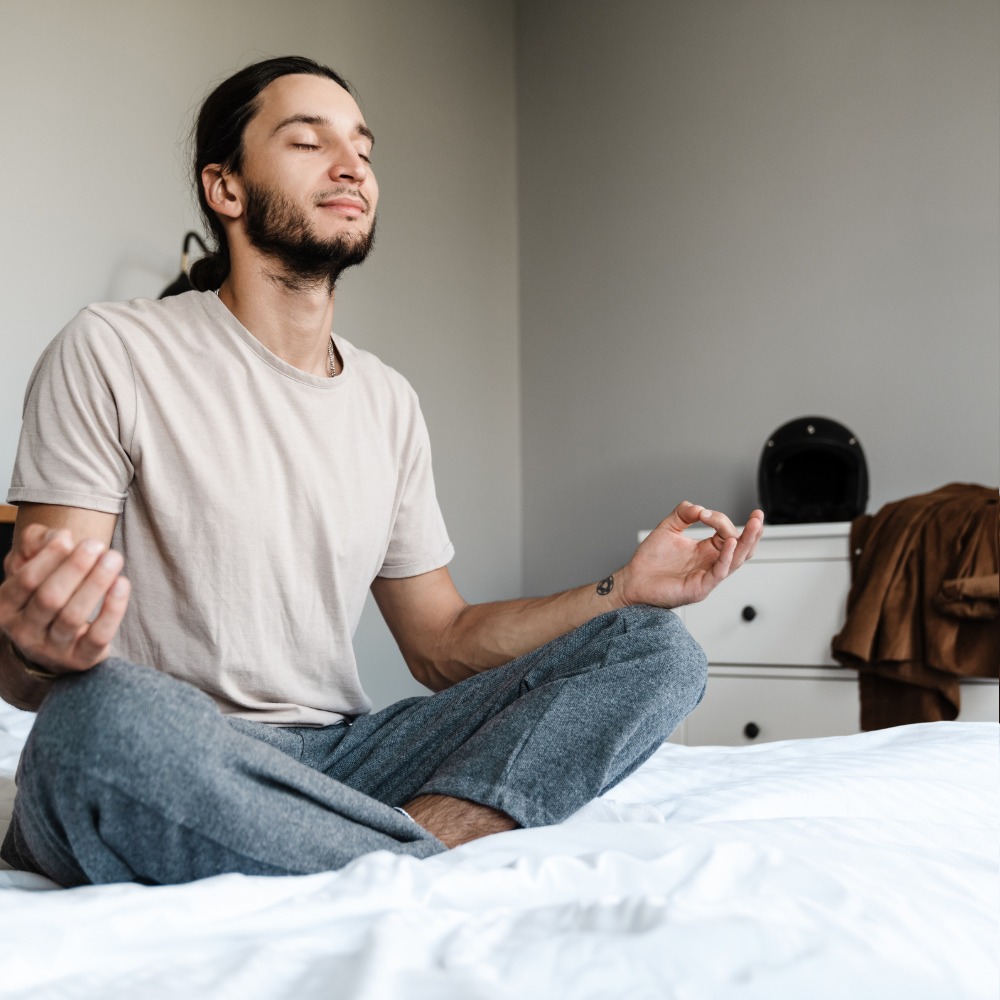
[131, 775]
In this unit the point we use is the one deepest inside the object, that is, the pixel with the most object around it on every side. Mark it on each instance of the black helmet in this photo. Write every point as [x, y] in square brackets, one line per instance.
[812, 469]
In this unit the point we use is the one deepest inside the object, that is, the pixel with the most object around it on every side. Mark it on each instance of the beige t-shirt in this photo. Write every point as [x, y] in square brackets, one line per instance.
[256, 502]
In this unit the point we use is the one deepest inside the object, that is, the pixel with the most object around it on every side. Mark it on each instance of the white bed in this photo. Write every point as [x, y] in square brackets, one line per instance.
[850, 867]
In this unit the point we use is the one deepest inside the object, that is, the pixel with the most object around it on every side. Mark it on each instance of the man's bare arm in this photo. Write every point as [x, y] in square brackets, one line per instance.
[59, 572]
[444, 639]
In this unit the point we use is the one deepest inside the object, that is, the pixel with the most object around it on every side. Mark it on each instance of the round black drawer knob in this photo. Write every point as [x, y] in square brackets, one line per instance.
[749, 613]
[751, 730]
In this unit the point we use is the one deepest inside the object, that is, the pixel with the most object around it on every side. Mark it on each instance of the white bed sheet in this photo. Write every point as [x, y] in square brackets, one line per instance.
[862, 866]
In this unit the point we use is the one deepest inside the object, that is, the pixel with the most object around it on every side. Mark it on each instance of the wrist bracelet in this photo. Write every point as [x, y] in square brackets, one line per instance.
[40, 673]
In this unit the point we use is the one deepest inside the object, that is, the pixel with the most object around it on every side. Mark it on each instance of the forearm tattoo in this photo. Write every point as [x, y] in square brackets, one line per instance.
[606, 586]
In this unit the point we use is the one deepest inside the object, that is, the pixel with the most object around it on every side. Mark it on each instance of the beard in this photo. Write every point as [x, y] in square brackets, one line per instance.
[280, 229]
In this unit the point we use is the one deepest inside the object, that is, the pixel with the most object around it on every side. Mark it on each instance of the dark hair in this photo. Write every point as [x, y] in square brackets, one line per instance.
[218, 138]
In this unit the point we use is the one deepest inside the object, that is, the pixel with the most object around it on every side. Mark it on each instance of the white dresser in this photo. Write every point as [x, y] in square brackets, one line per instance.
[767, 632]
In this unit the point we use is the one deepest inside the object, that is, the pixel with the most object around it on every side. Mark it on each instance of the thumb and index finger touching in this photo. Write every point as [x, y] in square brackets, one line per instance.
[687, 514]
[734, 545]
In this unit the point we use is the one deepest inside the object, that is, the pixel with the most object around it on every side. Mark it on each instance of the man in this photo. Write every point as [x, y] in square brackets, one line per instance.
[256, 476]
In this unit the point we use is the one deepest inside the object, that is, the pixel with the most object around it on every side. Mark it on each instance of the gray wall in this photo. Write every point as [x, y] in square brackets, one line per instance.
[97, 100]
[737, 212]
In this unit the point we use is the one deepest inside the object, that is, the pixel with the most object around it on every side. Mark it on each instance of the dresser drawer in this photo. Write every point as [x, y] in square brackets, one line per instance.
[745, 705]
[740, 710]
[782, 613]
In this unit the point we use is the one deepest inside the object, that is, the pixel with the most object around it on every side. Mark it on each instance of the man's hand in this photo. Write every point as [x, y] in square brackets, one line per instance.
[62, 602]
[670, 569]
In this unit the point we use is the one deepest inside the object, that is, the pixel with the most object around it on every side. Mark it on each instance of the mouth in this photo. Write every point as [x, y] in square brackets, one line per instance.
[347, 205]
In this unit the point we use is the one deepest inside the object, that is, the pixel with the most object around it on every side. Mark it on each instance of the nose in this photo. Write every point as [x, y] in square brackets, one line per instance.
[348, 164]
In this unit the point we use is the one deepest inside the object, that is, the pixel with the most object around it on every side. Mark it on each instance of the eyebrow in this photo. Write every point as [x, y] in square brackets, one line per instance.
[320, 122]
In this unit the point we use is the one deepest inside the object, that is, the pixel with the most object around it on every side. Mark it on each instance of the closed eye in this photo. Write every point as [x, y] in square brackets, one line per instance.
[304, 145]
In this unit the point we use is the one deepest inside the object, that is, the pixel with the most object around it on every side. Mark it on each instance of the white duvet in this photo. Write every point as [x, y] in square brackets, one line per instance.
[852, 867]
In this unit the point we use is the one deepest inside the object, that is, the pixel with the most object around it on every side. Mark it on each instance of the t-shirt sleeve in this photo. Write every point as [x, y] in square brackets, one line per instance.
[78, 420]
[419, 540]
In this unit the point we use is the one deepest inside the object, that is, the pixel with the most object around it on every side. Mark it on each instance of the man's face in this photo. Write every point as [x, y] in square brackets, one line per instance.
[310, 194]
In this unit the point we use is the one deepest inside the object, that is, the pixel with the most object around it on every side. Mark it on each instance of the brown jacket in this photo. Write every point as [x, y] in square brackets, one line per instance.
[924, 605]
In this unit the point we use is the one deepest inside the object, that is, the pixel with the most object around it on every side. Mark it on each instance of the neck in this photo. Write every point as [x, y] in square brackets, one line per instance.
[292, 322]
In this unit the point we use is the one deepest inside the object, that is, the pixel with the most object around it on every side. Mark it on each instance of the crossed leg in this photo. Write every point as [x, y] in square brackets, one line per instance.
[130, 775]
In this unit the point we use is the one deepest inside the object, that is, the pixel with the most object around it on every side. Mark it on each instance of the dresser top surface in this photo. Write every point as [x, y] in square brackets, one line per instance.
[831, 529]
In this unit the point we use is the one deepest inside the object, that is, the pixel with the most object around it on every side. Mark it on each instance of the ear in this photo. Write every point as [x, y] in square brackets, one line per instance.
[223, 191]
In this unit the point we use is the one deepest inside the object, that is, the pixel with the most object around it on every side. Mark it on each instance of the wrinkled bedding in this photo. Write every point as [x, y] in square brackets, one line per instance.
[856, 866]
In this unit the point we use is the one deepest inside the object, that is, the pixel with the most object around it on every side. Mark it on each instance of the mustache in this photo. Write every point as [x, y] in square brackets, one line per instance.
[342, 191]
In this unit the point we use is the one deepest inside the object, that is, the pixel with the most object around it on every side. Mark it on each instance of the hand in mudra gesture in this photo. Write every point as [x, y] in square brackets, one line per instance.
[670, 568]
[62, 601]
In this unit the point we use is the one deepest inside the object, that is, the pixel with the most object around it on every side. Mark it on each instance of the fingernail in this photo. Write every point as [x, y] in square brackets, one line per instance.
[111, 559]
[91, 546]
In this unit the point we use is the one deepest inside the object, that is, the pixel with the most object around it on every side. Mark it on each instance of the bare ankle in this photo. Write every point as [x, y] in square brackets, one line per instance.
[457, 821]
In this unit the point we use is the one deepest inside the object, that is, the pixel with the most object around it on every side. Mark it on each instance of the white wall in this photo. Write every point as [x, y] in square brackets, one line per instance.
[738, 212]
[98, 97]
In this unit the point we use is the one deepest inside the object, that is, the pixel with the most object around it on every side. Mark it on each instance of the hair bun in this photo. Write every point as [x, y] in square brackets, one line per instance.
[207, 273]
